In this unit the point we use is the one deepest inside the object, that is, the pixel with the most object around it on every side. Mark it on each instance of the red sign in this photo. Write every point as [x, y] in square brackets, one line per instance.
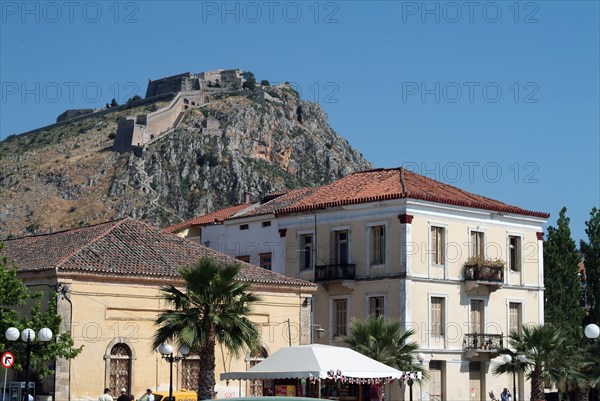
[8, 360]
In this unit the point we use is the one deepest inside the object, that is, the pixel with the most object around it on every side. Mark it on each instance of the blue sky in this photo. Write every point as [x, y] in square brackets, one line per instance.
[499, 98]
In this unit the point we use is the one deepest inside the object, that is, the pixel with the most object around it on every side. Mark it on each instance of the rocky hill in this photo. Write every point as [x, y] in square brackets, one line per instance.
[69, 176]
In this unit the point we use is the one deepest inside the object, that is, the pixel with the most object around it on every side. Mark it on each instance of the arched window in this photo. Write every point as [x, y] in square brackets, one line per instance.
[257, 355]
[120, 368]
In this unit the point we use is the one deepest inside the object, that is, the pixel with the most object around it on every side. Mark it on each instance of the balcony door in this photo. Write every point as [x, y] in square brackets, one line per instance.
[340, 240]
[477, 318]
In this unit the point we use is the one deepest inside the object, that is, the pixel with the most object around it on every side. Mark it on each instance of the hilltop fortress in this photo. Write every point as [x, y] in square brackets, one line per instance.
[188, 90]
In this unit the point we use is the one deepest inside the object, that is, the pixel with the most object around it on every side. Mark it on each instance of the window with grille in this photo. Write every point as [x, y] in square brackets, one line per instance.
[377, 245]
[437, 316]
[477, 243]
[306, 251]
[514, 253]
[340, 307]
[514, 317]
[438, 245]
[376, 306]
[190, 373]
[120, 368]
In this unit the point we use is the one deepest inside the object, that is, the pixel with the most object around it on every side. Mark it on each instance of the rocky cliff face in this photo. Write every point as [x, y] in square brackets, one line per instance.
[69, 176]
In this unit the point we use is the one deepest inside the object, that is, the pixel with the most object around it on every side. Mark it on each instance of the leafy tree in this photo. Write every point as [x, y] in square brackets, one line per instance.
[15, 295]
[591, 256]
[113, 103]
[543, 348]
[385, 341]
[563, 288]
[250, 80]
[133, 99]
[213, 307]
[265, 82]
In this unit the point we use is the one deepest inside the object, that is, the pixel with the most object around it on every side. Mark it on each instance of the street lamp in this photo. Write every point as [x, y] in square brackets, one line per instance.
[166, 351]
[28, 335]
[316, 331]
[592, 332]
[420, 358]
[520, 359]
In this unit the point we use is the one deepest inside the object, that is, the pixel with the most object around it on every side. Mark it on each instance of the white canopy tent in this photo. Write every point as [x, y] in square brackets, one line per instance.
[316, 361]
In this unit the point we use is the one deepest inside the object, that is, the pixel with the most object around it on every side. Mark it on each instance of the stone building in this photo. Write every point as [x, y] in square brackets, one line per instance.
[111, 274]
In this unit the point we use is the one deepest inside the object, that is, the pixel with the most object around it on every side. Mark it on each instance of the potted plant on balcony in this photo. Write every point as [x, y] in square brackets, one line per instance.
[480, 268]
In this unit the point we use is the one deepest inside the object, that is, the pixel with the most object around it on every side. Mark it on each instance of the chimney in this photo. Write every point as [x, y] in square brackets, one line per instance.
[246, 197]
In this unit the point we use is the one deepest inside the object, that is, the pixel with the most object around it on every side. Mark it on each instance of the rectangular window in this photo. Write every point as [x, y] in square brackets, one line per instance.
[438, 245]
[265, 261]
[244, 258]
[376, 306]
[340, 255]
[378, 245]
[477, 316]
[340, 310]
[514, 317]
[437, 316]
[477, 244]
[306, 251]
[266, 224]
[514, 253]
[243, 226]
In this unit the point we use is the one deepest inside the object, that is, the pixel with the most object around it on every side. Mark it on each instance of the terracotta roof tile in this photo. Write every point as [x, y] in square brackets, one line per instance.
[395, 183]
[209, 218]
[128, 248]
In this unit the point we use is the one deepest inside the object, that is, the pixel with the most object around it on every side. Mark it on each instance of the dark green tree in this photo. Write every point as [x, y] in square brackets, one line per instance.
[213, 307]
[265, 82]
[134, 99]
[591, 255]
[250, 80]
[16, 296]
[113, 103]
[563, 288]
[384, 340]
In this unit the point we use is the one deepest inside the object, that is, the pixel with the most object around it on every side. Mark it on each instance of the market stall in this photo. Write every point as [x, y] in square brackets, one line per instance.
[321, 371]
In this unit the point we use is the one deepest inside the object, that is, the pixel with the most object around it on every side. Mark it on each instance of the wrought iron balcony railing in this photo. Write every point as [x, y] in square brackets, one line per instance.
[482, 342]
[341, 271]
[491, 274]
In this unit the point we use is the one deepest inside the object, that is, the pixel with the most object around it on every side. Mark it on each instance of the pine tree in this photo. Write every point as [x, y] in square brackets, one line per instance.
[591, 255]
[563, 289]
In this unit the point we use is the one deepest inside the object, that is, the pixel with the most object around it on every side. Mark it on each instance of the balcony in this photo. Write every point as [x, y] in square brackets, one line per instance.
[336, 272]
[476, 344]
[478, 271]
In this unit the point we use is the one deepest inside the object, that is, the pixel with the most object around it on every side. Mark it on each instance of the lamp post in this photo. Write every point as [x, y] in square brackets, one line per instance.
[166, 351]
[508, 359]
[420, 358]
[316, 331]
[28, 335]
[592, 332]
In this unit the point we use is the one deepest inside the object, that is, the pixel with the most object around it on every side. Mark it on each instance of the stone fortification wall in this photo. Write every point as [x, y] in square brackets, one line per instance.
[71, 113]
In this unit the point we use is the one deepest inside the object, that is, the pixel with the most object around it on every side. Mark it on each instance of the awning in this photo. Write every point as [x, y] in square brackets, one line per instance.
[316, 360]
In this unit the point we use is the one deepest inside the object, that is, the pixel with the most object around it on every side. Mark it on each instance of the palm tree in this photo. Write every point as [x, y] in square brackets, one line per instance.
[542, 347]
[386, 342]
[214, 307]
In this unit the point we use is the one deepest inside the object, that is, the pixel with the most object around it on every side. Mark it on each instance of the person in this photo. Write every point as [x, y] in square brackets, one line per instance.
[106, 396]
[505, 395]
[493, 395]
[123, 396]
[148, 396]
[29, 396]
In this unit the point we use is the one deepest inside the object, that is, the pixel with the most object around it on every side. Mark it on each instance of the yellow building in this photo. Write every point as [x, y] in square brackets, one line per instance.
[460, 269]
[107, 279]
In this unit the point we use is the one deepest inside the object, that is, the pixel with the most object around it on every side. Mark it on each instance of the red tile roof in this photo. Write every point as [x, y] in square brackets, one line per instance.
[395, 183]
[127, 248]
[215, 216]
